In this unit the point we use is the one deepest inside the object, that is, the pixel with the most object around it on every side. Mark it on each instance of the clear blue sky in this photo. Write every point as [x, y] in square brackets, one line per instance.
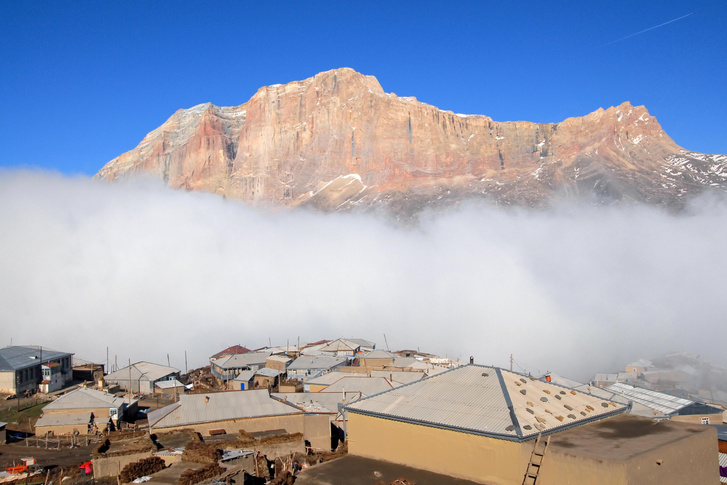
[82, 82]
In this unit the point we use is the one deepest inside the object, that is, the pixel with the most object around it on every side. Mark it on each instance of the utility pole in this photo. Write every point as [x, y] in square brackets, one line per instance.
[185, 363]
[510, 362]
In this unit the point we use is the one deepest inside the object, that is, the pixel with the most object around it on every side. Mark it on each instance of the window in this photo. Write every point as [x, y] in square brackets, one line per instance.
[705, 420]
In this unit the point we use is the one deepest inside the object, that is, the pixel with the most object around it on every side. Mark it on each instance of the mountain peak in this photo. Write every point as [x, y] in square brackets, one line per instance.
[338, 141]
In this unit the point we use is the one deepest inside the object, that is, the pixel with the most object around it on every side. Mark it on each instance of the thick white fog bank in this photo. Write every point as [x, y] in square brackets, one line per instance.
[147, 271]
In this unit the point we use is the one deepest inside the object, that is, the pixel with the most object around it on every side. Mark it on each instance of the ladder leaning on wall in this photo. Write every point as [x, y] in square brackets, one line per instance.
[536, 460]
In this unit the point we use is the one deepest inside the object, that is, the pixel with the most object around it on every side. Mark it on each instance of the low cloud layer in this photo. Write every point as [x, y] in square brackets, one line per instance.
[147, 271]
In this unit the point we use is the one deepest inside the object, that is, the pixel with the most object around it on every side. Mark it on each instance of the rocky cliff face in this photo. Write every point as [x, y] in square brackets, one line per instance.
[338, 141]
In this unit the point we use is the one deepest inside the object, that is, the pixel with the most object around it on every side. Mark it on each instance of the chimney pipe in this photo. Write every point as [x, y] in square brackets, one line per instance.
[472, 359]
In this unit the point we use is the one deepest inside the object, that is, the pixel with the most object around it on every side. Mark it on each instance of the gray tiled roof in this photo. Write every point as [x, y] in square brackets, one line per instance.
[219, 406]
[21, 357]
[487, 401]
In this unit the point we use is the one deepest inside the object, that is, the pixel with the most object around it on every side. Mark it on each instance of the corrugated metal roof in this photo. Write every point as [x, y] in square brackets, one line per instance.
[489, 401]
[18, 357]
[267, 372]
[245, 376]
[331, 377]
[65, 419]
[398, 378]
[322, 362]
[365, 344]
[379, 354]
[240, 361]
[84, 398]
[659, 401]
[368, 386]
[280, 358]
[319, 402]
[220, 406]
[340, 345]
[170, 384]
[143, 370]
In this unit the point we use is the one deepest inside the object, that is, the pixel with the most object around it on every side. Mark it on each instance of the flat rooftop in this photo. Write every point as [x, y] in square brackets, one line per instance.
[355, 470]
[622, 437]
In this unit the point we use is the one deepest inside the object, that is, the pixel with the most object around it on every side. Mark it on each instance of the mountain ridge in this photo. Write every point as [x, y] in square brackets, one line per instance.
[338, 141]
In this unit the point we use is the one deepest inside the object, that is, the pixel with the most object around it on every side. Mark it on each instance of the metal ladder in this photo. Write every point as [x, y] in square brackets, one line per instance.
[536, 460]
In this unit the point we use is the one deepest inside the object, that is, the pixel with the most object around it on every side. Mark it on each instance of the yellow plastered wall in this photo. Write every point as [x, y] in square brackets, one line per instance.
[462, 455]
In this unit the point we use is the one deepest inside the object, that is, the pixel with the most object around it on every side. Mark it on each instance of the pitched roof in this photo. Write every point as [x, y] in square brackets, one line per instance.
[220, 406]
[365, 344]
[331, 377]
[245, 376]
[310, 362]
[379, 354]
[18, 357]
[662, 402]
[85, 398]
[267, 372]
[368, 386]
[280, 358]
[170, 384]
[235, 349]
[64, 419]
[318, 402]
[142, 371]
[340, 345]
[398, 378]
[239, 361]
[487, 401]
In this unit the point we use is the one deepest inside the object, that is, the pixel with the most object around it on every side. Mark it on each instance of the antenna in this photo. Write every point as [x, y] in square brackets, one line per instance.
[387, 343]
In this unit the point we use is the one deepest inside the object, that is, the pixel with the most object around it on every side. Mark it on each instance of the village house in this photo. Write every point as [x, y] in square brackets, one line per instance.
[279, 363]
[141, 377]
[243, 382]
[266, 378]
[32, 369]
[307, 366]
[377, 358]
[228, 367]
[493, 426]
[233, 350]
[171, 387]
[341, 348]
[86, 371]
[83, 411]
[228, 412]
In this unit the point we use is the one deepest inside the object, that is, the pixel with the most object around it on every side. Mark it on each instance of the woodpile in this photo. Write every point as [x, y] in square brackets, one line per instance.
[201, 452]
[141, 468]
[191, 477]
[246, 440]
